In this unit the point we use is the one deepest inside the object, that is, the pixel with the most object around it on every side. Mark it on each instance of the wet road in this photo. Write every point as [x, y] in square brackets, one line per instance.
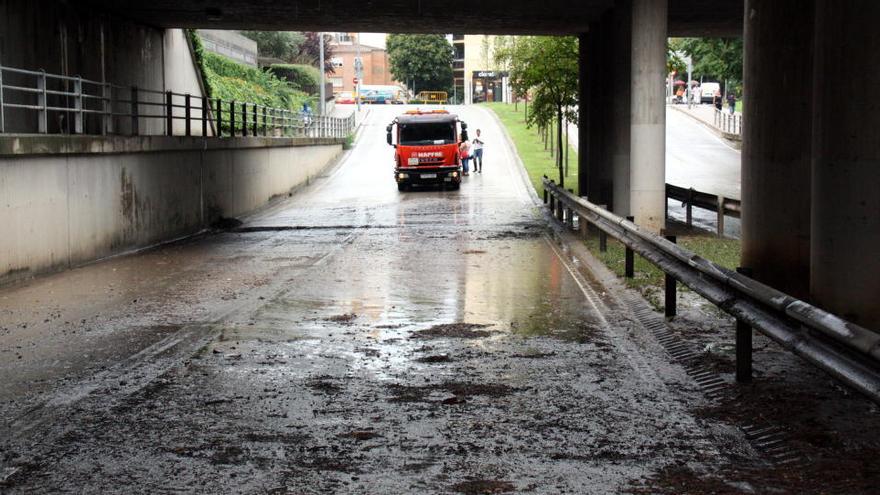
[351, 339]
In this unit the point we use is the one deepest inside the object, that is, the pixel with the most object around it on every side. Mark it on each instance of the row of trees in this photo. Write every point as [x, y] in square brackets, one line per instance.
[544, 69]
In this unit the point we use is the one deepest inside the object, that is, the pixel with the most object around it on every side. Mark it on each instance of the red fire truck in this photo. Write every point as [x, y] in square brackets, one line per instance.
[426, 151]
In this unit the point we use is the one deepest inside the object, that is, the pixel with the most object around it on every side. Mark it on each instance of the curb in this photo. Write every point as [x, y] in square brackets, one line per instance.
[735, 139]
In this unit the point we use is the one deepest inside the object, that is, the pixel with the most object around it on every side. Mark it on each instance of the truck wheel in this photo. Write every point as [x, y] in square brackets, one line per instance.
[401, 186]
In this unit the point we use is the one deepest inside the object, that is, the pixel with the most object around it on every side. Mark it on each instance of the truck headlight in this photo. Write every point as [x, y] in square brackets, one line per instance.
[455, 174]
[402, 175]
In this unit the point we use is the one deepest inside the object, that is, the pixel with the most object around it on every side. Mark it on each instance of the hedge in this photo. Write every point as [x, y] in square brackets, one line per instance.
[303, 77]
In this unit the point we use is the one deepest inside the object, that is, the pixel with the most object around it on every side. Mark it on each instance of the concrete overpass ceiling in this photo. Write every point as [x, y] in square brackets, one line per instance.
[686, 17]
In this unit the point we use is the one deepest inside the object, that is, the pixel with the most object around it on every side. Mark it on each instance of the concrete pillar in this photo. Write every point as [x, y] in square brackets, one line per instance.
[775, 197]
[583, 112]
[619, 92]
[600, 102]
[845, 243]
[648, 114]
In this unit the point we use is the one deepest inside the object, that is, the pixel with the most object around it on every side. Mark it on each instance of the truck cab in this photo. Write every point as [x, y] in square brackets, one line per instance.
[426, 148]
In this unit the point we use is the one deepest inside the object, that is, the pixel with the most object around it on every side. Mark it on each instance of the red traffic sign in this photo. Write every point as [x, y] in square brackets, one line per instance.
[354, 80]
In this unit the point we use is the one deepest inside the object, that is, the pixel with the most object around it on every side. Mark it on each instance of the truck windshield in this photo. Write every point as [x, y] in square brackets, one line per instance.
[428, 133]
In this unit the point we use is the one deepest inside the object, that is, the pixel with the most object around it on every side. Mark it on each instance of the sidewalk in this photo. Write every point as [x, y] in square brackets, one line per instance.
[705, 114]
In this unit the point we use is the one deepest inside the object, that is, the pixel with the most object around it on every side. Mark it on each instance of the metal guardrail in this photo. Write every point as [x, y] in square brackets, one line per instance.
[73, 105]
[729, 123]
[713, 202]
[845, 350]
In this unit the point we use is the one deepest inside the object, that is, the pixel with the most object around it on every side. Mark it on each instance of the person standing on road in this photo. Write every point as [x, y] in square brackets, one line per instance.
[697, 94]
[731, 102]
[478, 154]
[464, 151]
[717, 100]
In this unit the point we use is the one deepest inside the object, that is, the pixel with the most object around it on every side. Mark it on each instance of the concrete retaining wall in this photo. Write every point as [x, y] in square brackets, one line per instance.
[60, 210]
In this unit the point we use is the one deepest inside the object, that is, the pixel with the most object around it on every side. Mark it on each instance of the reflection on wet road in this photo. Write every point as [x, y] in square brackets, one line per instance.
[352, 339]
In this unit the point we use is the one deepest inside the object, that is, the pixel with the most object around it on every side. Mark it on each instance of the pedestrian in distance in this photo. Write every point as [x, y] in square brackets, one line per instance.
[697, 94]
[717, 100]
[731, 102]
[478, 153]
[464, 151]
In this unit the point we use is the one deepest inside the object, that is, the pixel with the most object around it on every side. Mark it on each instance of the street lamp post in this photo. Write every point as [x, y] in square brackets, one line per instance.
[358, 72]
[321, 68]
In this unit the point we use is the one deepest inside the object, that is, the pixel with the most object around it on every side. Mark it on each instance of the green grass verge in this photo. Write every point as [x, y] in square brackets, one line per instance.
[530, 148]
[648, 279]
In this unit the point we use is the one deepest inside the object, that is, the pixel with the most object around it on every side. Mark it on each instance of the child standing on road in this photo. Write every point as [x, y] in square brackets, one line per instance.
[464, 151]
[478, 153]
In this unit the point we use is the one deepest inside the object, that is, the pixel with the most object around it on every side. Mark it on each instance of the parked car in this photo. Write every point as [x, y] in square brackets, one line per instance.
[345, 97]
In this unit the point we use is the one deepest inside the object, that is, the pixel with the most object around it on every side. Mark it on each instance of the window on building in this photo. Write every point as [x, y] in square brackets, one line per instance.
[344, 37]
[336, 62]
[337, 82]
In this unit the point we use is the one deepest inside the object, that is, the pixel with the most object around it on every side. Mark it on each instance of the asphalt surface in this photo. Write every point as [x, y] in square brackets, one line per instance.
[350, 339]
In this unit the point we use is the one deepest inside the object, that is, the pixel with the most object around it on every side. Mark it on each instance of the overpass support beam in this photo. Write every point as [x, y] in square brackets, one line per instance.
[619, 93]
[648, 114]
[583, 113]
[778, 84]
[845, 243]
[600, 99]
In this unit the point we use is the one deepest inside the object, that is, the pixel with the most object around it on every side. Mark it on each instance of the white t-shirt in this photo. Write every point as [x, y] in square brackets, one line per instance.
[478, 144]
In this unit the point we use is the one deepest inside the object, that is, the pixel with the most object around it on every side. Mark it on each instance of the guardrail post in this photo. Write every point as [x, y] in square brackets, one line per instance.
[135, 120]
[187, 113]
[720, 216]
[232, 118]
[570, 219]
[603, 237]
[743, 344]
[670, 299]
[169, 114]
[255, 123]
[265, 124]
[560, 210]
[2, 112]
[629, 258]
[43, 120]
[205, 116]
[78, 105]
[689, 214]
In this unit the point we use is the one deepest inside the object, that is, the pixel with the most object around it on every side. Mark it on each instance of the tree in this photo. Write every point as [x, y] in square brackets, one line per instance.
[423, 59]
[310, 52]
[547, 68]
[718, 58]
[283, 45]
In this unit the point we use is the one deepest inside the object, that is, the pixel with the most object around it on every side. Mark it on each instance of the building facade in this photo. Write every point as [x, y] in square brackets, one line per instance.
[346, 50]
[477, 78]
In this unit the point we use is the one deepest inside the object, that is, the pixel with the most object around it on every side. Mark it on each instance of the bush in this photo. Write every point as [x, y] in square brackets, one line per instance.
[302, 77]
[229, 80]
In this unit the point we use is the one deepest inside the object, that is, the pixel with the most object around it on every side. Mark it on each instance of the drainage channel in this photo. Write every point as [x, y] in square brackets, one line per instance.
[769, 440]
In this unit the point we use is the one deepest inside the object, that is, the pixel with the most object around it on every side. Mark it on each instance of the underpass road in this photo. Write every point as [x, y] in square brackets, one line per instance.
[350, 339]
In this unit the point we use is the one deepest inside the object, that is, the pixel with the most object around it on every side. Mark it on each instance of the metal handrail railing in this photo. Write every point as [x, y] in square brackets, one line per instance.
[845, 350]
[727, 122]
[122, 110]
